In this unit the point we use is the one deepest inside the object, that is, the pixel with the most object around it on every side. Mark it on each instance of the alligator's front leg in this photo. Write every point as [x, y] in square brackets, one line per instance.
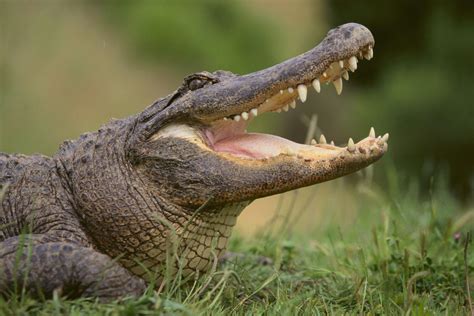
[39, 268]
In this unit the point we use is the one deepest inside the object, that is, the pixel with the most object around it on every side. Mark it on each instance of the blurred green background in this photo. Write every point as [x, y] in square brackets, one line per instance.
[68, 67]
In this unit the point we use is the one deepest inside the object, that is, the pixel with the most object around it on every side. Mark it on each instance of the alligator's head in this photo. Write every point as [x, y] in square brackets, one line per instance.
[193, 145]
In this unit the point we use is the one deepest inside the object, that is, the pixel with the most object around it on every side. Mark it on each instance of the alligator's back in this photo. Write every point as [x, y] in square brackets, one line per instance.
[12, 166]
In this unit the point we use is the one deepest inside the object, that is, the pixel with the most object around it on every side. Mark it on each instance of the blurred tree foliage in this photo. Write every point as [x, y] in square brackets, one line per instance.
[211, 33]
[421, 85]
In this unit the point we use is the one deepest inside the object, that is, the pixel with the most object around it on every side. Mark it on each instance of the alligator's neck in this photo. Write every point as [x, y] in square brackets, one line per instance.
[146, 231]
[128, 217]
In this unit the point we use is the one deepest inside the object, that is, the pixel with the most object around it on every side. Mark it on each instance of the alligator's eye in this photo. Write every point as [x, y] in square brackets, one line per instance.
[197, 84]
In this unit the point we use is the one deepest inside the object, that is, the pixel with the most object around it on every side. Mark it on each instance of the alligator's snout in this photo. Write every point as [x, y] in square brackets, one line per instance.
[279, 86]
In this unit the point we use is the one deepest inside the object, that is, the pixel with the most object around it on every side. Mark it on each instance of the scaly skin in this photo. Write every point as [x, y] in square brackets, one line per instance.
[109, 210]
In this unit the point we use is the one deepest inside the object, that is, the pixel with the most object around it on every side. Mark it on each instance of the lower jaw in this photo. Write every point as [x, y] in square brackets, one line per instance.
[232, 139]
[259, 146]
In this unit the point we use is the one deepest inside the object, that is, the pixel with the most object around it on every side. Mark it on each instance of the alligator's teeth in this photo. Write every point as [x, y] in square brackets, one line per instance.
[341, 64]
[316, 85]
[345, 75]
[293, 104]
[332, 143]
[286, 108]
[353, 63]
[278, 111]
[385, 137]
[225, 118]
[281, 91]
[290, 90]
[338, 85]
[325, 75]
[322, 139]
[350, 145]
[369, 54]
[302, 92]
[372, 132]
[267, 100]
[254, 112]
[245, 116]
[291, 152]
[361, 55]
[314, 142]
[237, 118]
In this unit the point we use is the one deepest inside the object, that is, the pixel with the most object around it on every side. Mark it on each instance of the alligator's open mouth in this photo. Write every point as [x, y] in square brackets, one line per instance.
[229, 135]
[278, 89]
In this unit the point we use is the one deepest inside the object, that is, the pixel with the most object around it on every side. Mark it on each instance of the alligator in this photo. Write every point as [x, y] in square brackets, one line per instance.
[160, 191]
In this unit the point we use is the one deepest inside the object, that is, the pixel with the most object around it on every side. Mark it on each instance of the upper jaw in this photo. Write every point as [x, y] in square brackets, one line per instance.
[279, 86]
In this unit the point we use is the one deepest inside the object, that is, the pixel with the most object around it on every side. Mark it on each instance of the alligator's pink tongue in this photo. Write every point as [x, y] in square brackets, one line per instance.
[255, 145]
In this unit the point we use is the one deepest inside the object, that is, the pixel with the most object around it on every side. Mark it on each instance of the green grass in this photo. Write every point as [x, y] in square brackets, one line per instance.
[398, 254]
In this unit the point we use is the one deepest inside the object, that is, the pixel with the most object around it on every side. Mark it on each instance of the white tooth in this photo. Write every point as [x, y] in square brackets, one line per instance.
[245, 115]
[290, 90]
[281, 91]
[369, 54]
[322, 139]
[278, 111]
[345, 75]
[332, 142]
[385, 137]
[353, 63]
[361, 55]
[286, 108]
[341, 64]
[254, 112]
[302, 92]
[267, 100]
[338, 85]
[237, 118]
[293, 104]
[351, 145]
[225, 118]
[325, 75]
[290, 152]
[372, 132]
[316, 85]
[314, 142]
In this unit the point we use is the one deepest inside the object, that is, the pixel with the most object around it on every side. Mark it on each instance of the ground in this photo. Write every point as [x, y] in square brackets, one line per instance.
[396, 253]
